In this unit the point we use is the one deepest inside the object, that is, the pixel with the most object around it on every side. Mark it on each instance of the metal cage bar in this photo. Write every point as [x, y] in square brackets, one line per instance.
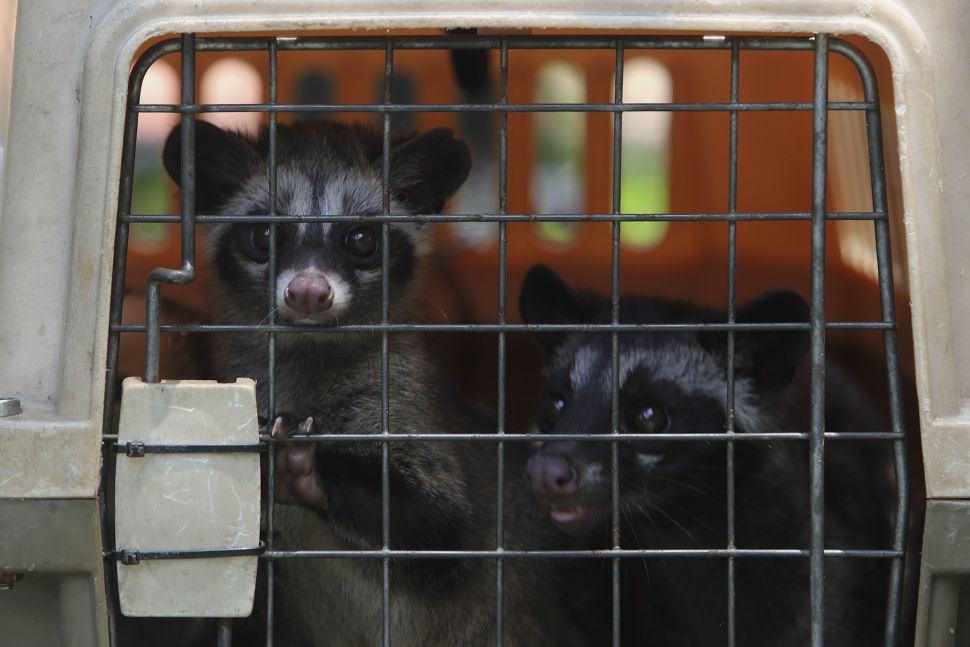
[489, 328]
[522, 217]
[615, 108]
[385, 348]
[503, 242]
[271, 336]
[887, 305]
[526, 437]
[816, 441]
[186, 273]
[616, 206]
[729, 364]
[781, 553]
[821, 46]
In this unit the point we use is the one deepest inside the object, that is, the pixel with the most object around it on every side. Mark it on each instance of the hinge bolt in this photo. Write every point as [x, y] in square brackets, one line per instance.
[8, 579]
[9, 407]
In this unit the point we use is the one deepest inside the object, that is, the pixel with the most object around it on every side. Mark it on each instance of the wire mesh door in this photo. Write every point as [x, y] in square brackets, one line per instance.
[821, 46]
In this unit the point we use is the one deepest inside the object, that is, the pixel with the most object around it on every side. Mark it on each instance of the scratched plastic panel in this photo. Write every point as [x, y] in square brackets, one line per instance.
[193, 501]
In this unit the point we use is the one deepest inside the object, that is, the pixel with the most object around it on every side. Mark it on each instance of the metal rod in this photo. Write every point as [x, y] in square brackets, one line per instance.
[817, 333]
[890, 343]
[616, 205]
[513, 437]
[134, 557]
[516, 217]
[117, 292]
[120, 263]
[224, 638]
[330, 43]
[731, 315]
[273, 209]
[503, 190]
[385, 349]
[514, 42]
[626, 553]
[492, 328]
[185, 274]
[140, 449]
[763, 106]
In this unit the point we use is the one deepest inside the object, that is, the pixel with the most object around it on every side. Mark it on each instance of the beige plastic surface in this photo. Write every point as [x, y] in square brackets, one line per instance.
[187, 501]
[64, 147]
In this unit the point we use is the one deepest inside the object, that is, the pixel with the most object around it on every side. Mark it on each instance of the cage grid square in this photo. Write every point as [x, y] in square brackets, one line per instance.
[821, 46]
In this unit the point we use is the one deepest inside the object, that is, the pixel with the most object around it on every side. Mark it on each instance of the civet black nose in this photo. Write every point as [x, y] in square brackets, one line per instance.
[309, 294]
[552, 476]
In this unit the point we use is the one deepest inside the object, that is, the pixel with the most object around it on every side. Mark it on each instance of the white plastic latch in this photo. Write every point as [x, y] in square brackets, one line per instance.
[174, 498]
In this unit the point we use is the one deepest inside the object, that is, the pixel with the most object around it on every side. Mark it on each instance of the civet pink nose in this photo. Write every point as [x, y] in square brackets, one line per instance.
[552, 476]
[309, 294]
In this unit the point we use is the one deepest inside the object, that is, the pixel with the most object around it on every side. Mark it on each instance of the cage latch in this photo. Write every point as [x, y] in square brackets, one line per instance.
[134, 450]
[130, 557]
[187, 510]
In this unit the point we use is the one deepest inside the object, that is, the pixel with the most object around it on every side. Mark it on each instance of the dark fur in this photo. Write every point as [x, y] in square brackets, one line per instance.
[442, 495]
[673, 493]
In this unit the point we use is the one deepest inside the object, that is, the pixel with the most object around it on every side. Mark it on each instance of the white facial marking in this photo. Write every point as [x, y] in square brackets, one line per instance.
[301, 194]
[305, 230]
[630, 361]
[366, 276]
[593, 474]
[342, 295]
[582, 369]
[332, 202]
[254, 270]
[647, 461]
[302, 230]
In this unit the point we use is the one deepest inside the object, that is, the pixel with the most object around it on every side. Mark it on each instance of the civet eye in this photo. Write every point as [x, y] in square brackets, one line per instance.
[360, 241]
[551, 411]
[255, 241]
[651, 418]
[259, 238]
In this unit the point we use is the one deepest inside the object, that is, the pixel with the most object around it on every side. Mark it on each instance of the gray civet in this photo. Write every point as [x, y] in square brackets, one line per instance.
[442, 495]
[673, 493]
